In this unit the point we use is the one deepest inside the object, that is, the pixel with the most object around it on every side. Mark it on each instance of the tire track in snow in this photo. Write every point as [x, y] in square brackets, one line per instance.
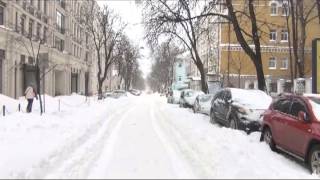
[82, 161]
[181, 167]
[58, 157]
[199, 164]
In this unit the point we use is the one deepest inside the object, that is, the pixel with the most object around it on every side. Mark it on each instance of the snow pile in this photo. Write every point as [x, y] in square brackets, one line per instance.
[32, 145]
[252, 99]
[218, 152]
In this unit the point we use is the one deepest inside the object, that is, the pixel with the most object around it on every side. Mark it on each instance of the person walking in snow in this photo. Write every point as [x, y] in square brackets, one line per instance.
[30, 94]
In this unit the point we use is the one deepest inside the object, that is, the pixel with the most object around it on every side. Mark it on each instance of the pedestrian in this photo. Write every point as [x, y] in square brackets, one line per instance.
[30, 94]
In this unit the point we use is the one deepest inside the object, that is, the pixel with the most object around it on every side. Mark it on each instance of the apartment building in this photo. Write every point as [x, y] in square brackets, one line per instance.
[65, 56]
[237, 68]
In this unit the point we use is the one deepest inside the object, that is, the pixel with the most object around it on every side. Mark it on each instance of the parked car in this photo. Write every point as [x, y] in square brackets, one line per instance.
[239, 109]
[188, 97]
[292, 125]
[135, 92]
[202, 104]
[118, 93]
[174, 96]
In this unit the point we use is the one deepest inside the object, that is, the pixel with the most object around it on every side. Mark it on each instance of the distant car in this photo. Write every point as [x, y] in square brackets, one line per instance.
[118, 93]
[203, 104]
[292, 125]
[107, 94]
[239, 109]
[174, 96]
[135, 92]
[188, 97]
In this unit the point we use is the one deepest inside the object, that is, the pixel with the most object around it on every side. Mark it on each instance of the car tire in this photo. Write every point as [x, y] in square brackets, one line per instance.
[233, 123]
[314, 160]
[268, 138]
[212, 117]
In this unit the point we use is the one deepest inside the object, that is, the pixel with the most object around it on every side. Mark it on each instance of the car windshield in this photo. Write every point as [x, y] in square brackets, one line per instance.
[315, 103]
[206, 98]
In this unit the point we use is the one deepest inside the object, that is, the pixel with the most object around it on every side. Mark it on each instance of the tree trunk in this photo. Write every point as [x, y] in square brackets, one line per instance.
[204, 85]
[260, 74]
[38, 85]
[100, 83]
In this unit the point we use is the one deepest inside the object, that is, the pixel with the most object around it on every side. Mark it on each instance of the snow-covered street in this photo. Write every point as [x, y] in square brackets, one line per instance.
[132, 137]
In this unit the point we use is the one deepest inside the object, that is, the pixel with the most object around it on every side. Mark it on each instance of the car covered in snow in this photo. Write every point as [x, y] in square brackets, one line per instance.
[174, 96]
[203, 104]
[239, 109]
[292, 125]
[118, 93]
[188, 97]
[135, 92]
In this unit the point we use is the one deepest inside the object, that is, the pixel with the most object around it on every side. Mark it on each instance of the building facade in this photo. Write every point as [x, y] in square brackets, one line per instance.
[65, 57]
[236, 68]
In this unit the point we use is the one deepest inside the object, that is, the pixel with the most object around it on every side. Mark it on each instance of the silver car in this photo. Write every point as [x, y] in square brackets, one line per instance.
[203, 104]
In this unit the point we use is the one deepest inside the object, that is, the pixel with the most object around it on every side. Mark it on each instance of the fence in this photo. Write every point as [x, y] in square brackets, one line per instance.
[4, 110]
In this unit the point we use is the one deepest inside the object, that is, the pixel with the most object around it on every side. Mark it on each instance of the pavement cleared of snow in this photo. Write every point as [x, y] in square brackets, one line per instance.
[131, 137]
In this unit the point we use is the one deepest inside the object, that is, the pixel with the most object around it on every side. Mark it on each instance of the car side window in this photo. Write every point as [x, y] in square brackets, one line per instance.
[227, 96]
[282, 105]
[296, 107]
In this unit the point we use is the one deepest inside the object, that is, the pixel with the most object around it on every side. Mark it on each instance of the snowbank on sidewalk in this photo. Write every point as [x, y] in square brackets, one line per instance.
[31, 144]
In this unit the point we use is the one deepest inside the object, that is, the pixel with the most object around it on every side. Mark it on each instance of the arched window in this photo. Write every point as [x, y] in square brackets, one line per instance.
[274, 9]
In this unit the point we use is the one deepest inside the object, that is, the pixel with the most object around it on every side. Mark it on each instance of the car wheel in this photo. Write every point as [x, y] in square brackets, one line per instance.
[233, 123]
[268, 138]
[314, 160]
[212, 117]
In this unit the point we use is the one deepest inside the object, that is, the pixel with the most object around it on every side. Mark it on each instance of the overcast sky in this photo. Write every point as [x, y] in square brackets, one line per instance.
[131, 14]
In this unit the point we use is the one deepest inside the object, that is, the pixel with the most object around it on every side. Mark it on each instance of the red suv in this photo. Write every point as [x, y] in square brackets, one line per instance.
[292, 125]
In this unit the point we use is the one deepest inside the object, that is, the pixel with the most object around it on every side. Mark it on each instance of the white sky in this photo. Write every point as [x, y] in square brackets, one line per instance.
[132, 14]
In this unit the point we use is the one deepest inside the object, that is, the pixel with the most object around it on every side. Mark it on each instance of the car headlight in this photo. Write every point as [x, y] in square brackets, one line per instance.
[242, 110]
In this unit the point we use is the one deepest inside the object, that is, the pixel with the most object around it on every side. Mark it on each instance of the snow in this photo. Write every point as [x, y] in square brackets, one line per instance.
[252, 99]
[130, 137]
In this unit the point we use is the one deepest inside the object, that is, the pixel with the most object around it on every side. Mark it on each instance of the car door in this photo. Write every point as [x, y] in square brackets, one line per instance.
[296, 131]
[281, 109]
[217, 105]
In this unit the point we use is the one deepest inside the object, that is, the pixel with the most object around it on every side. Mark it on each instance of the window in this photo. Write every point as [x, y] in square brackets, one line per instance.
[180, 64]
[30, 60]
[59, 44]
[38, 30]
[272, 63]
[17, 22]
[61, 3]
[285, 10]
[39, 4]
[60, 22]
[284, 36]
[282, 105]
[45, 6]
[22, 23]
[274, 9]
[1, 15]
[179, 78]
[273, 35]
[297, 106]
[30, 28]
[22, 59]
[45, 32]
[284, 63]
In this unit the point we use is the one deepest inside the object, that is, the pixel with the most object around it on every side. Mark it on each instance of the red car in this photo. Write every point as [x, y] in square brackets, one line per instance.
[292, 125]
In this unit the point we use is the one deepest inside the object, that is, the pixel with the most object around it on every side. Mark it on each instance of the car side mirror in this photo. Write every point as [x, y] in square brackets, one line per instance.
[302, 116]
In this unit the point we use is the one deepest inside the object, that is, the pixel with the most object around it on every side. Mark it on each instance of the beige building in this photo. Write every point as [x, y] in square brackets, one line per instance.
[66, 58]
[237, 66]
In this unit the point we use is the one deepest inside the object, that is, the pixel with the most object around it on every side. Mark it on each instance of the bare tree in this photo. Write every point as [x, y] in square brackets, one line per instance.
[106, 29]
[299, 15]
[162, 17]
[165, 58]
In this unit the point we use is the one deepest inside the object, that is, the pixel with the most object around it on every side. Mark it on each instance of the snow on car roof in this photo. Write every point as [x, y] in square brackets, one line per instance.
[253, 99]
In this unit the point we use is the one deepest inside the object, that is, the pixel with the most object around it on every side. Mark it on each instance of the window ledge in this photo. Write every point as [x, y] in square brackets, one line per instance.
[272, 68]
